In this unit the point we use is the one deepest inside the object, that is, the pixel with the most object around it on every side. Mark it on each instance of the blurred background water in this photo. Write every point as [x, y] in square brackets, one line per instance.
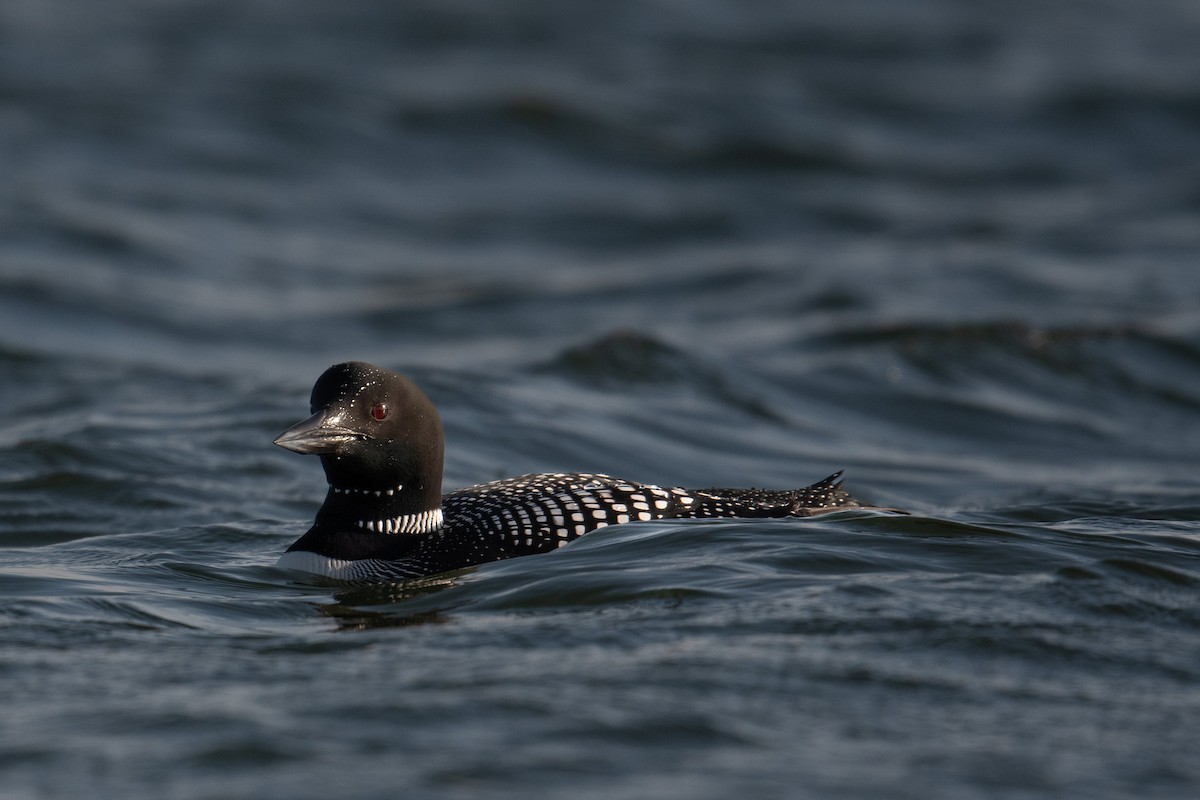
[953, 248]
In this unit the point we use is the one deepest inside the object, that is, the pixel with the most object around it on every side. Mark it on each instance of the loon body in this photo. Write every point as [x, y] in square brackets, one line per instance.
[385, 518]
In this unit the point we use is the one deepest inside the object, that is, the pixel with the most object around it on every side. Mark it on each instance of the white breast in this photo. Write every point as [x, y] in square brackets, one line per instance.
[339, 568]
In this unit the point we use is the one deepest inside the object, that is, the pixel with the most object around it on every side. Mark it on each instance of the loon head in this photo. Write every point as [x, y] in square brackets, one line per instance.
[377, 434]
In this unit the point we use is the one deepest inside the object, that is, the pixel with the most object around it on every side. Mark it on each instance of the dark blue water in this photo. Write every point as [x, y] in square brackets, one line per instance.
[952, 248]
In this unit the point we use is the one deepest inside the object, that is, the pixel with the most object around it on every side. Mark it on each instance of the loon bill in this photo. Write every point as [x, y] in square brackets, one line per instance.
[385, 518]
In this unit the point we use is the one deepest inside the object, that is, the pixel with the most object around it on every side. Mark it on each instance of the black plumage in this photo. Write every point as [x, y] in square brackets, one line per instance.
[384, 517]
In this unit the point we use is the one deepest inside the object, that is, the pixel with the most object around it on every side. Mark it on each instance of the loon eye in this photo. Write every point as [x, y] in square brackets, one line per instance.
[379, 411]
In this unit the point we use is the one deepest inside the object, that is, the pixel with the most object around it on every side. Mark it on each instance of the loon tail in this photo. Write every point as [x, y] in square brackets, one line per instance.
[822, 497]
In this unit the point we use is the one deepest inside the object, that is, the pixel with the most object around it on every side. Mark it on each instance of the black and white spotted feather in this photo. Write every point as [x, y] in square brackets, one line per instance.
[384, 518]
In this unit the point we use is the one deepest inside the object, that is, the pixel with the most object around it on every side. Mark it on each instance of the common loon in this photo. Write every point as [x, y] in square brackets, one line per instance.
[385, 517]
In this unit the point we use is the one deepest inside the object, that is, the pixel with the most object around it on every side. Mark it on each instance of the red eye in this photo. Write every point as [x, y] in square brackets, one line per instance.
[379, 411]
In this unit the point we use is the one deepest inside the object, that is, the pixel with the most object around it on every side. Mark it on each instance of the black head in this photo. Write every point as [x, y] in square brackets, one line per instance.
[375, 431]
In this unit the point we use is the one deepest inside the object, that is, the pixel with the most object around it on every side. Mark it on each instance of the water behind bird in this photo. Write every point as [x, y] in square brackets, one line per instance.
[948, 252]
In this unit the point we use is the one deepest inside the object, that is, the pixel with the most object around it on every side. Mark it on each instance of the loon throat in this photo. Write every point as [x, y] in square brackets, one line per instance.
[368, 492]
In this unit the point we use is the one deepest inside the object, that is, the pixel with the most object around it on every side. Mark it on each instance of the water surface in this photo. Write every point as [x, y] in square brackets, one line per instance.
[948, 248]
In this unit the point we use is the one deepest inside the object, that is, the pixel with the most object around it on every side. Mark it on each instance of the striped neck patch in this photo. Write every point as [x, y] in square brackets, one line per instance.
[424, 522]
